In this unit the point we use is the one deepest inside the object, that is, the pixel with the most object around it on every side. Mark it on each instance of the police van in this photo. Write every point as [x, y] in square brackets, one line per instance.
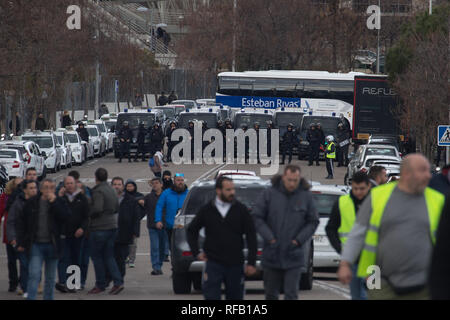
[134, 117]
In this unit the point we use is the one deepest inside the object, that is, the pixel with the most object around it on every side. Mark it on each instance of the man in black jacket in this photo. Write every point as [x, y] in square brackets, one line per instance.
[289, 141]
[40, 123]
[343, 216]
[343, 143]
[226, 221]
[171, 144]
[157, 236]
[125, 135]
[142, 133]
[313, 136]
[156, 138]
[74, 229]
[39, 229]
[128, 224]
[131, 189]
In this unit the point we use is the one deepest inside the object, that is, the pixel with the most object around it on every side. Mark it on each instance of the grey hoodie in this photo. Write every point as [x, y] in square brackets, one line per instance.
[285, 217]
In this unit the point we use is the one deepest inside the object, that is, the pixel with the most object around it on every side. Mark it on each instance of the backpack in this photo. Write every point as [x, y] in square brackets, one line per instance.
[151, 162]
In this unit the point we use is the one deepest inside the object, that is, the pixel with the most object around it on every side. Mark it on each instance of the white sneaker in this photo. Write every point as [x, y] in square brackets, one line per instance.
[25, 295]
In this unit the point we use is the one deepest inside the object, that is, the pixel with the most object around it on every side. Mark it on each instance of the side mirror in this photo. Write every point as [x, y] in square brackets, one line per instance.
[44, 154]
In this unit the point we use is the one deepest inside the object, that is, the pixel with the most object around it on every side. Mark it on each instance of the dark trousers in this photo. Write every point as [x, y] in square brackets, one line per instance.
[215, 274]
[121, 252]
[274, 279]
[12, 266]
[140, 149]
[342, 155]
[124, 149]
[314, 149]
[71, 256]
[170, 146]
[84, 260]
[169, 238]
[287, 150]
[330, 163]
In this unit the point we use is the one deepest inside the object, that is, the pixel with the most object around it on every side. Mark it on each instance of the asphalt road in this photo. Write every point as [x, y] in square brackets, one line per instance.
[139, 284]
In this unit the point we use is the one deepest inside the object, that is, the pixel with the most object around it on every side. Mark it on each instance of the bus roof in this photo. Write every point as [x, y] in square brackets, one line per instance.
[294, 74]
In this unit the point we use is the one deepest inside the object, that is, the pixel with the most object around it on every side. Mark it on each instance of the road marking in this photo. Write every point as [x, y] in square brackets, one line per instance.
[343, 292]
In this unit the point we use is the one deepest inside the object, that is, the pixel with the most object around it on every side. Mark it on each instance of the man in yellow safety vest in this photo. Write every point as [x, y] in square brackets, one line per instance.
[330, 155]
[342, 219]
[394, 233]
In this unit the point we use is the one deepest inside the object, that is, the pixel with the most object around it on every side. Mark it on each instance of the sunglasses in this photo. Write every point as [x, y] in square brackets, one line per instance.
[179, 175]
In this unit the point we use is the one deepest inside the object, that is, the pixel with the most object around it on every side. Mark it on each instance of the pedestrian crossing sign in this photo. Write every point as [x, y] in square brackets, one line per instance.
[443, 136]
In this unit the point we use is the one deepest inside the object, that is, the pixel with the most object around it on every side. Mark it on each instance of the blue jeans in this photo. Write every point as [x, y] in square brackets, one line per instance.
[357, 286]
[158, 245]
[23, 260]
[71, 256]
[84, 262]
[40, 253]
[102, 254]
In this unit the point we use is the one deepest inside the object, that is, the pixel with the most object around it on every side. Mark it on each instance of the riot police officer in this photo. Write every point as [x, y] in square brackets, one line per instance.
[142, 132]
[125, 136]
[156, 138]
[269, 137]
[256, 126]
[343, 143]
[289, 141]
[170, 143]
[228, 124]
[84, 135]
[313, 136]
[191, 132]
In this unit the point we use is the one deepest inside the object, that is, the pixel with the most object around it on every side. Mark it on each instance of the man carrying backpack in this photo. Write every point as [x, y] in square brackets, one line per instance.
[156, 163]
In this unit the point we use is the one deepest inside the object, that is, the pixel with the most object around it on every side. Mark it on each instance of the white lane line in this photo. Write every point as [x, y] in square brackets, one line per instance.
[335, 289]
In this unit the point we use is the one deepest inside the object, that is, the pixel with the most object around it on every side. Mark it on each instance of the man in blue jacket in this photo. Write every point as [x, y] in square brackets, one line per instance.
[169, 202]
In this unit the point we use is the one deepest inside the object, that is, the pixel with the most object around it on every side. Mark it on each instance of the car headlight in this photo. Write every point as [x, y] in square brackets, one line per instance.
[96, 142]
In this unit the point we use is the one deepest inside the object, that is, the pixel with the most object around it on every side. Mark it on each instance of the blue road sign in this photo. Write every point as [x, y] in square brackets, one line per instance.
[444, 136]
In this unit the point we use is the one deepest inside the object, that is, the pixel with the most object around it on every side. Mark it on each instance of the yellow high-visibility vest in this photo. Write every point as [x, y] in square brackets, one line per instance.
[331, 155]
[380, 196]
[348, 217]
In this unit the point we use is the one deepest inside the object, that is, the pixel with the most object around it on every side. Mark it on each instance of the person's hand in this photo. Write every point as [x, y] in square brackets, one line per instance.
[51, 197]
[159, 225]
[79, 233]
[13, 243]
[20, 249]
[250, 270]
[61, 192]
[202, 257]
[141, 202]
[295, 242]
[344, 272]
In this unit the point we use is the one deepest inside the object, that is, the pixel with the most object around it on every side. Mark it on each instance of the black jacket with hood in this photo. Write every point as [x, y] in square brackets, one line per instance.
[129, 219]
[285, 217]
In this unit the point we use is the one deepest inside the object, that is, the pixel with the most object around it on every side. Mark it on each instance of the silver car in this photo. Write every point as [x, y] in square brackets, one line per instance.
[371, 154]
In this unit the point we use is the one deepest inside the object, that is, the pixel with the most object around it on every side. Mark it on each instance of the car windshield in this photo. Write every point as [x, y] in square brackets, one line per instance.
[93, 132]
[250, 119]
[324, 203]
[134, 119]
[209, 118]
[110, 124]
[100, 127]
[168, 112]
[8, 154]
[200, 196]
[60, 140]
[329, 124]
[42, 142]
[72, 138]
[381, 152]
[282, 119]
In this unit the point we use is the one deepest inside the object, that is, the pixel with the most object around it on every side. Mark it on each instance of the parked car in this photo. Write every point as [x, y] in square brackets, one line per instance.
[325, 197]
[76, 145]
[47, 142]
[385, 139]
[66, 154]
[372, 154]
[4, 178]
[31, 154]
[187, 271]
[97, 139]
[87, 146]
[104, 132]
[14, 162]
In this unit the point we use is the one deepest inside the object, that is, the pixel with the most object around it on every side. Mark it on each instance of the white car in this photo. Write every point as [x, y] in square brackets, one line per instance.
[30, 153]
[373, 154]
[48, 143]
[325, 196]
[14, 162]
[78, 148]
[104, 132]
[110, 125]
[66, 154]
[97, 139]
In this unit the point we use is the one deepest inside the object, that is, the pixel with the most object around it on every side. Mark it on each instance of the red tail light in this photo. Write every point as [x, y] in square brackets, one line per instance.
[16, 164]
[259, 253]
[28, 158]
[186, 254]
